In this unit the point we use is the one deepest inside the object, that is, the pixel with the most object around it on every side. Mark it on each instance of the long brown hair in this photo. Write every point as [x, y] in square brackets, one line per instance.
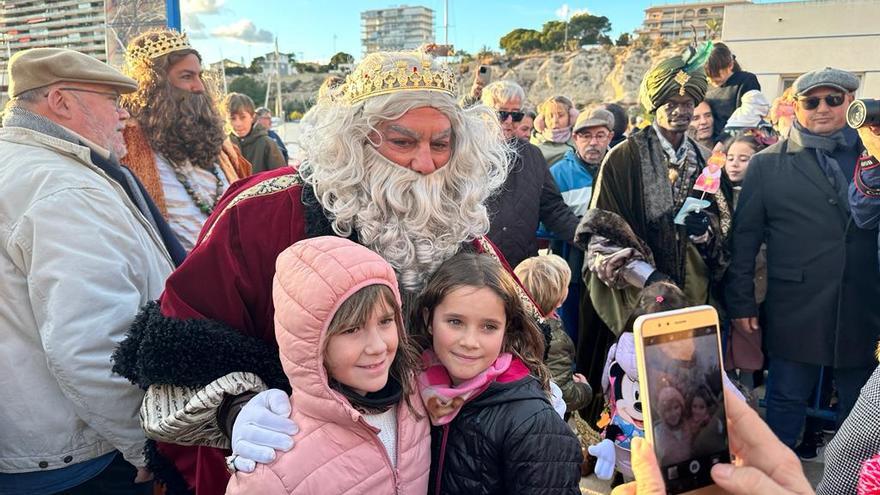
[522, 337]
[355, 311]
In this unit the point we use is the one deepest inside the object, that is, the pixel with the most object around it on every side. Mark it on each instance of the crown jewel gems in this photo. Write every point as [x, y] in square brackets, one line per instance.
[371, 79]
[165, 42]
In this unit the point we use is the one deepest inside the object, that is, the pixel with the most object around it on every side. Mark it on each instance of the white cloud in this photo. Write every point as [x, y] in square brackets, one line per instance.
[566, 12]
[244, 30]
[201, 6]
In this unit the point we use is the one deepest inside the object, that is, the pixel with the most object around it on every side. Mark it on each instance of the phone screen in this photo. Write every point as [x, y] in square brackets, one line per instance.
[687, 406]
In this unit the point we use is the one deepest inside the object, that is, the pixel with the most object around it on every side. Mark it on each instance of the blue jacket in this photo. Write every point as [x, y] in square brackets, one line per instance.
[864, 193]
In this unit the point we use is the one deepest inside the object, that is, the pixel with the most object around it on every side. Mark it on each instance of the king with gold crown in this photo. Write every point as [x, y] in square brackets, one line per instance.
[391, 161]
[176, 141]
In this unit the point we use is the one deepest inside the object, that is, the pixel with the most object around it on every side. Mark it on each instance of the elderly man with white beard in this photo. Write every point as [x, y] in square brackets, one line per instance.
[392, 162]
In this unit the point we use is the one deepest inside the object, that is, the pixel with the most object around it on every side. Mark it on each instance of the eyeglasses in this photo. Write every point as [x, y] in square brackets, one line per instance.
[812, 102]
[116, 96]
[516, 116]
[599, 136]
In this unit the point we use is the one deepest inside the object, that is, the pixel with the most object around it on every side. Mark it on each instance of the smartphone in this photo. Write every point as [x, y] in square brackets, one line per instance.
[483, 74]
[679, 359]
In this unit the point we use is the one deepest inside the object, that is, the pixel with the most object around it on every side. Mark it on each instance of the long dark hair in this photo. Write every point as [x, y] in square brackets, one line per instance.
[662, 296]
[719, 59]
[522, 337]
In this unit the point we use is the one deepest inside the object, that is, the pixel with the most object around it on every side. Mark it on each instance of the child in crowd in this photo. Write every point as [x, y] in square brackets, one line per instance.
[546, 278]
[253, 139]
[743, 350]
[552, 135]
[525, 126]
[343, 346]
[672, 432]
[485, 388]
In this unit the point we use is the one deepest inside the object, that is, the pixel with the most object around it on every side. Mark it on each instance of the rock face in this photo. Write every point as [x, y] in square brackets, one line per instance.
[592, 75]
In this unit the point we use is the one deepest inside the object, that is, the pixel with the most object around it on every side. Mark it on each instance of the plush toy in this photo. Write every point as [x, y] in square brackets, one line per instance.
[620, 381]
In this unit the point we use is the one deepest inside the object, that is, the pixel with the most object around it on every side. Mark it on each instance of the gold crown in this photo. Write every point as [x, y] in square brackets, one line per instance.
[370, 79]
[165, 42]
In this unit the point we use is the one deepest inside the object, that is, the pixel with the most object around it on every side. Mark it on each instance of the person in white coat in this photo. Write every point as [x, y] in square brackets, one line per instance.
[81, 251]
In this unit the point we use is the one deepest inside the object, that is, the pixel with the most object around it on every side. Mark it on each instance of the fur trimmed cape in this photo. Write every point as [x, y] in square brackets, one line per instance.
[142, 161]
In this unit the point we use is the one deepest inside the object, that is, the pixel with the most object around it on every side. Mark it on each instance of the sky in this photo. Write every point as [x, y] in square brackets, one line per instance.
[316, 29]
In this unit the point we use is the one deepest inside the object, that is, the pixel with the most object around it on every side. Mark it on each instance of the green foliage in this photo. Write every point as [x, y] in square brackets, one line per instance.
[553, 36]
[235, 71]
[341, 58]
[623, 40]
[257, 65]
[521, 41]
[249, 86]
[589, 29]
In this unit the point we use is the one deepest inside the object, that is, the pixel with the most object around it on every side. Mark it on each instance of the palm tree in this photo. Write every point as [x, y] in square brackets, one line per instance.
[713, 28]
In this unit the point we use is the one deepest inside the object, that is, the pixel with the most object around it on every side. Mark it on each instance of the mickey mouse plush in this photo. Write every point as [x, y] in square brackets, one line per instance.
[620, 381]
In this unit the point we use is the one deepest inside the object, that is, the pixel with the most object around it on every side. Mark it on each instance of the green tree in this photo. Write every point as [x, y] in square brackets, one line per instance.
[256, 66]
[235, 71]
[249, 86]
[521, 41]
[588, 28]
[623, 40]
[553, 35]
[341, 58]
[713, 28]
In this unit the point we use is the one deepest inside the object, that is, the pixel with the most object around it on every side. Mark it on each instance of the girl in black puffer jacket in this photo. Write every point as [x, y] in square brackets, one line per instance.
[486, 389]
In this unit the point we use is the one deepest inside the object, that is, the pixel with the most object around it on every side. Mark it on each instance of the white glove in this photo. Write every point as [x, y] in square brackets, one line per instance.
[556, 399]
[605, 455]
[263, 426]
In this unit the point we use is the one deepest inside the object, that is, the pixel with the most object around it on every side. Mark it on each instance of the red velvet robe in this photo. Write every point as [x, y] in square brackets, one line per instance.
[228, 277]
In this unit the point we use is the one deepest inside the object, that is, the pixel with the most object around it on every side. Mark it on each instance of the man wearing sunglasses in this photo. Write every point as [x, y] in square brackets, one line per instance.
[529, 196]
[821, 307]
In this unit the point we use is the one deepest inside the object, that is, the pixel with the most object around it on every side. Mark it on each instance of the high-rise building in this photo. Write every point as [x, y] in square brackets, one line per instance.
[396, 28]
[680, 20]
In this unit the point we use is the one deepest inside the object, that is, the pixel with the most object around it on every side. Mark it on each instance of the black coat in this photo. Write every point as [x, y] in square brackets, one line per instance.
[823, 292]
[508, 440]
[529, 196]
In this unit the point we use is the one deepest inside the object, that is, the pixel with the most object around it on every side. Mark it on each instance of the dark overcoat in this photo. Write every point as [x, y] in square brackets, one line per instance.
[823, 290]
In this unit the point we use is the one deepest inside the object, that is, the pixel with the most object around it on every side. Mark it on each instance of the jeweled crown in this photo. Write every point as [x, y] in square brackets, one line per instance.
[372, 78]
[165, 42]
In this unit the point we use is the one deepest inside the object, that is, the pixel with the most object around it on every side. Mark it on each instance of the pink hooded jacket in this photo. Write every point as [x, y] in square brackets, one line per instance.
[335, 451]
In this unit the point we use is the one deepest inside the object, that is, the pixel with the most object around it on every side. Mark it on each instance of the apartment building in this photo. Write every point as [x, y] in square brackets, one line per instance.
[397, 28]
[680, 20]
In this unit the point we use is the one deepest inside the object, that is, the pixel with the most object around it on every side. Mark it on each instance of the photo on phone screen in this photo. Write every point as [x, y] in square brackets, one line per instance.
[687, 406]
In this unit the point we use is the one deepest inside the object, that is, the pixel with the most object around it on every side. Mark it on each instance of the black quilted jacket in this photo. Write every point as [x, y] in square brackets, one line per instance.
[509, 440]
[529, 196]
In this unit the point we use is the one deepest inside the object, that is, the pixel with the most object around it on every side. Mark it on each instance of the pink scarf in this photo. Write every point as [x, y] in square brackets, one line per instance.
[869, 477]
[443, 400]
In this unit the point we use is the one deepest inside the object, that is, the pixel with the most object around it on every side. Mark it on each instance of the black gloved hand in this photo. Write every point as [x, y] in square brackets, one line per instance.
[657, 276]
[696, 223]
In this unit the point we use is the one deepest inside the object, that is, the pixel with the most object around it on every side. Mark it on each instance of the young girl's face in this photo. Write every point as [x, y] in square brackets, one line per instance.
[557, 117]
[467, 330]
[699, 409]
[738, 157]
[361, 356]
[671, 413]
[241, 123]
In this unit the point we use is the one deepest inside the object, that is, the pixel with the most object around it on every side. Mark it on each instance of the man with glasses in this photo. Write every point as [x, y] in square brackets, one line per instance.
[82, 251]
[643, 185]
[529, 195]
[821, 307]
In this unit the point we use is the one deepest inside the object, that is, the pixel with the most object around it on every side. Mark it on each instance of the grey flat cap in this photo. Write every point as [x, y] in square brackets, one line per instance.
[830, 77]
[39, 67]
[593, 118]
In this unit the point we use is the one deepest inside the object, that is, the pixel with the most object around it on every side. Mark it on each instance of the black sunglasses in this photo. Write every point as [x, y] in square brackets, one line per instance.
[812, 102]
[516, 116]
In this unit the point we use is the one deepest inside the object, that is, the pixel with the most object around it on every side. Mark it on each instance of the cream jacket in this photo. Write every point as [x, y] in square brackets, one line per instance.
[77, 261]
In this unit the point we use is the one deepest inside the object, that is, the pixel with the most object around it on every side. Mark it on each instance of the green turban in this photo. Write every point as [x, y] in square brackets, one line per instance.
[677, 76]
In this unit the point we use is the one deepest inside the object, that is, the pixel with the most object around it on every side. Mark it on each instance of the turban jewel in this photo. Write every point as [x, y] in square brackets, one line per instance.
[676, 76]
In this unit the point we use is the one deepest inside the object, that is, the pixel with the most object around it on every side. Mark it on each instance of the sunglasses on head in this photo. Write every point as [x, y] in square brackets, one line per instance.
[812, 102]
[516, 116]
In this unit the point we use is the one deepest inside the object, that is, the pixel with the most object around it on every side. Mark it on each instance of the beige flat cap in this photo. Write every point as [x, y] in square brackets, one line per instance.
[39, 67]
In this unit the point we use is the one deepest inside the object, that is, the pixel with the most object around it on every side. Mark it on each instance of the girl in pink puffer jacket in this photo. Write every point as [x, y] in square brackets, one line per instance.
[345, 350]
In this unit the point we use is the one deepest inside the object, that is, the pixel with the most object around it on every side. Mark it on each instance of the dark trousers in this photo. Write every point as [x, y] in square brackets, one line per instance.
[790, 385]
[116, 479]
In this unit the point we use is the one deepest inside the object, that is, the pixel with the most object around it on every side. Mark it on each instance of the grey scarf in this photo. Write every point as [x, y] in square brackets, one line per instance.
[16, 116]
[825, 147]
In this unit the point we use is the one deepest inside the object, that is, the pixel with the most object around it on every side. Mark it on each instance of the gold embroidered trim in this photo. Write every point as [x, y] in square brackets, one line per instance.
[264, 188]
[524, 297]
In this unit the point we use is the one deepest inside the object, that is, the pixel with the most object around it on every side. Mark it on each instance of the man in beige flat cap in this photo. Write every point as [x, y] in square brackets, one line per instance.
[81, 250]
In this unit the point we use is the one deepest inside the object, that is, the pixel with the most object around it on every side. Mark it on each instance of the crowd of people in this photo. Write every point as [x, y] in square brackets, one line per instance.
[191, 308]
